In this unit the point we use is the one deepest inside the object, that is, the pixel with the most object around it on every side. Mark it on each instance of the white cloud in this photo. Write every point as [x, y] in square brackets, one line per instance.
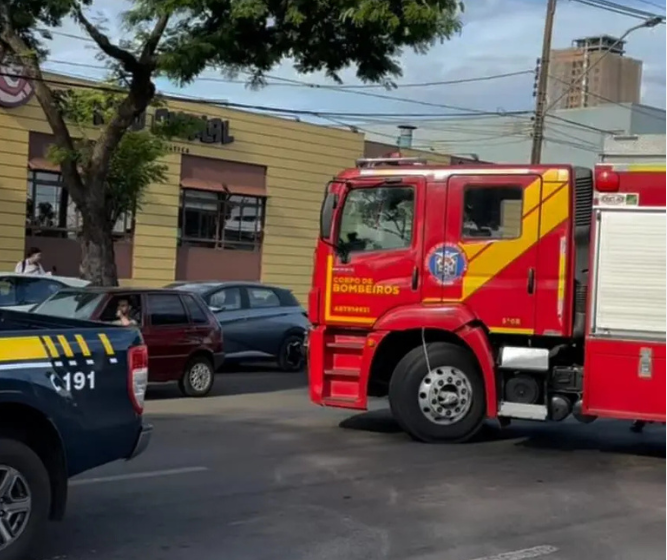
[498, 36]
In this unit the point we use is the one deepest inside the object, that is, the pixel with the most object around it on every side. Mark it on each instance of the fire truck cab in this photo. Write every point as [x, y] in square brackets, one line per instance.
[490, 291]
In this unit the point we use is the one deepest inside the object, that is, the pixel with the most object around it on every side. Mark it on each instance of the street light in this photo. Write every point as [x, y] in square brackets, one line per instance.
[651, 22]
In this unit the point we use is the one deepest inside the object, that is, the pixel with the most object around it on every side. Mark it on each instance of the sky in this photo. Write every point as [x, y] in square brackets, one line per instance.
[498, 36]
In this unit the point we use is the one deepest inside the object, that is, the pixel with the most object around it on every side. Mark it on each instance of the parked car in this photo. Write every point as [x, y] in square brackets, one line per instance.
[20, 292]
[183, 337]
[259, 321]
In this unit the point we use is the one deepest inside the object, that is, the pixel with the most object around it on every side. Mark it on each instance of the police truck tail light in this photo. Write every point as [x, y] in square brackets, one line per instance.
[607, 181]
[137, 376]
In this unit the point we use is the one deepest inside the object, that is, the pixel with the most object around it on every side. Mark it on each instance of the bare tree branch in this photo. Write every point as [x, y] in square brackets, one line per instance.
[46, 99]
[153, 39]
[129, 61]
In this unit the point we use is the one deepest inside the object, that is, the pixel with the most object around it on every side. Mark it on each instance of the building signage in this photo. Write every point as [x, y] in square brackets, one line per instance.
[213, 130]
[14, 89]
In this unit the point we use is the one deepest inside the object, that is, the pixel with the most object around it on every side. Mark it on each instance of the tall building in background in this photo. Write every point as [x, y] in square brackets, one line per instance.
[613, 77]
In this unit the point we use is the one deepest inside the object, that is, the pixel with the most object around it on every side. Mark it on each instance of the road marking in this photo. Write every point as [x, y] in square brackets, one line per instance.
[134, 476]
[535, 552]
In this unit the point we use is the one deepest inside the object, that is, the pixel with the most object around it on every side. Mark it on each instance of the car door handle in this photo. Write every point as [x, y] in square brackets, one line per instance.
[415, 277]
[531, 281]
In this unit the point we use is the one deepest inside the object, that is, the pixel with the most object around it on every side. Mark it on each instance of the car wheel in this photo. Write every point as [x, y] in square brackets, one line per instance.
[441, 399]
[198, 377]
[25, 499]
[290, 357]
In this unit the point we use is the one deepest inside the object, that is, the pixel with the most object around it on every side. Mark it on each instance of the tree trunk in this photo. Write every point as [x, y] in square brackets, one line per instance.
[97, 250]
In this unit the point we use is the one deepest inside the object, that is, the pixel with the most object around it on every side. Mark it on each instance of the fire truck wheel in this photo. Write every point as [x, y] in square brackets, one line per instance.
[442, 400]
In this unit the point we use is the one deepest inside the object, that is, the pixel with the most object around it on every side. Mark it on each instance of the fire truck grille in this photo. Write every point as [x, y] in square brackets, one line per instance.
[583, 188]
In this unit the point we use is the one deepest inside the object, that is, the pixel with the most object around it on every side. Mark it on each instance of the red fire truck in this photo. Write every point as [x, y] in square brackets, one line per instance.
[491, 291]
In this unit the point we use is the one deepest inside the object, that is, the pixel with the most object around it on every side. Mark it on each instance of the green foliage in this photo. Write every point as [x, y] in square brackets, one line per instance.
[316, 35]
[30, 17]
[135, 161]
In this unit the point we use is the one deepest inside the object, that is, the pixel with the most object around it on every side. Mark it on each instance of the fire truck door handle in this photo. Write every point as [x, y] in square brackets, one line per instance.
[415, 277]
[531, 281]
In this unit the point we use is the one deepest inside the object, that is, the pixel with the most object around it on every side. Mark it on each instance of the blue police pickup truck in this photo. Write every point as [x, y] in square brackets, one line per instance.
[71, 399]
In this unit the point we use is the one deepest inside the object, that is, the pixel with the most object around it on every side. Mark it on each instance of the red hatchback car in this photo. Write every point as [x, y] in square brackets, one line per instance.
[184, 338]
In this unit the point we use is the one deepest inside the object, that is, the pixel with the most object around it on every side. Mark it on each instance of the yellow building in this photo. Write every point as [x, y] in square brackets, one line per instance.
[241, 201]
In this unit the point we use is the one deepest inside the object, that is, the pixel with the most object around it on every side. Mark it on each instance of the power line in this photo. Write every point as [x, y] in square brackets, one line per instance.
[648, 3]
[638, 110]
[621, 10]
[289, 81]
[299, 83]
[269, 109]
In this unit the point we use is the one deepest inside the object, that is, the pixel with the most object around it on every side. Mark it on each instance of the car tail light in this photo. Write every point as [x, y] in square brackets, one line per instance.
[137, 376]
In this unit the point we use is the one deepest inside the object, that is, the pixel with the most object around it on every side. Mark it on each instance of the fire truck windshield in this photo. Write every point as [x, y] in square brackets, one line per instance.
[376, 219]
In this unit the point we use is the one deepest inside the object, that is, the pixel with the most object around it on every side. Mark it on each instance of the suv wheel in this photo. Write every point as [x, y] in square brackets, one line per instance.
[198, 377]
[25, 498]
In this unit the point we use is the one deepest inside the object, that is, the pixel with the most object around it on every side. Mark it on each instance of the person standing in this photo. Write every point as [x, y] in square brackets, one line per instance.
[31, 264]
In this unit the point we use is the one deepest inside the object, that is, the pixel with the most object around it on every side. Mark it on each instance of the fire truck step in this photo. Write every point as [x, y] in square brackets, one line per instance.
[523, 411]
[342, 372]
[340, 402]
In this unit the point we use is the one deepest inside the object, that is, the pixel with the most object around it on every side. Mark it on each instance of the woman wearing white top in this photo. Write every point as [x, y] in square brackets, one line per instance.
[31, 264]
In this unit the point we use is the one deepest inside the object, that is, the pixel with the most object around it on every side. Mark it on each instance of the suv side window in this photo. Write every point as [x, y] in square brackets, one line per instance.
[492, 212]
[227, 299]
[261, 298]
[166, 310]
[197, 314]
[377, 219]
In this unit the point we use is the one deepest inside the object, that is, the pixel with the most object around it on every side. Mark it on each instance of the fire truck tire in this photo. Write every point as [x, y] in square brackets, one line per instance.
[445, 403]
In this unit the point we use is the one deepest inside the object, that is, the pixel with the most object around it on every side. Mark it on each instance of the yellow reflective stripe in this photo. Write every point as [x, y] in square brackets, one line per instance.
[82, 344]
[107, 345]
[65, 346]
[53, 351]
[22, 348]
[509, 330]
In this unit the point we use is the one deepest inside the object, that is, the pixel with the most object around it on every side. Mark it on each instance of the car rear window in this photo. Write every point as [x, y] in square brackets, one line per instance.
[262, 298]
[197, 314]
[166, 310]
[76, 305]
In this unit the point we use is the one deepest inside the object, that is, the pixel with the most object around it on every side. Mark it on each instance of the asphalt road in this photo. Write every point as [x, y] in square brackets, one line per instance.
[255, 472]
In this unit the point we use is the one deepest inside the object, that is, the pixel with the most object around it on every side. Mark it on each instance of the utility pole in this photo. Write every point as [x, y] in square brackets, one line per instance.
[543, 77]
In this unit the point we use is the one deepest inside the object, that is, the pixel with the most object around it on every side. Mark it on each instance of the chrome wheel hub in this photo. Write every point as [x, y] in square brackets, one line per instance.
[445, 395]
[200, 377]
[15, 505]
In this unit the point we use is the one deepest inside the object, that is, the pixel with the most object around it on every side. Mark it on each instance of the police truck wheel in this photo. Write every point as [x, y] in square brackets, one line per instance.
[25, 499]
[443, 403]
[197, 380]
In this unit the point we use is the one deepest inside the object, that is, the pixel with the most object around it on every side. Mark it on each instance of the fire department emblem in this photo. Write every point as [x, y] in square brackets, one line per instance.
[447, 263]
[14, 90]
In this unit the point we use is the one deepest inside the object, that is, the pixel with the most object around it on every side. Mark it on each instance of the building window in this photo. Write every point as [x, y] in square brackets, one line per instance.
[492, 212]
[51, 213]
[218, 220]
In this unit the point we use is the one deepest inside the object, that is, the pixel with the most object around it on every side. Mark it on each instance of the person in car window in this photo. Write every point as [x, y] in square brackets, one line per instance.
[124, 314]
[31, 263]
